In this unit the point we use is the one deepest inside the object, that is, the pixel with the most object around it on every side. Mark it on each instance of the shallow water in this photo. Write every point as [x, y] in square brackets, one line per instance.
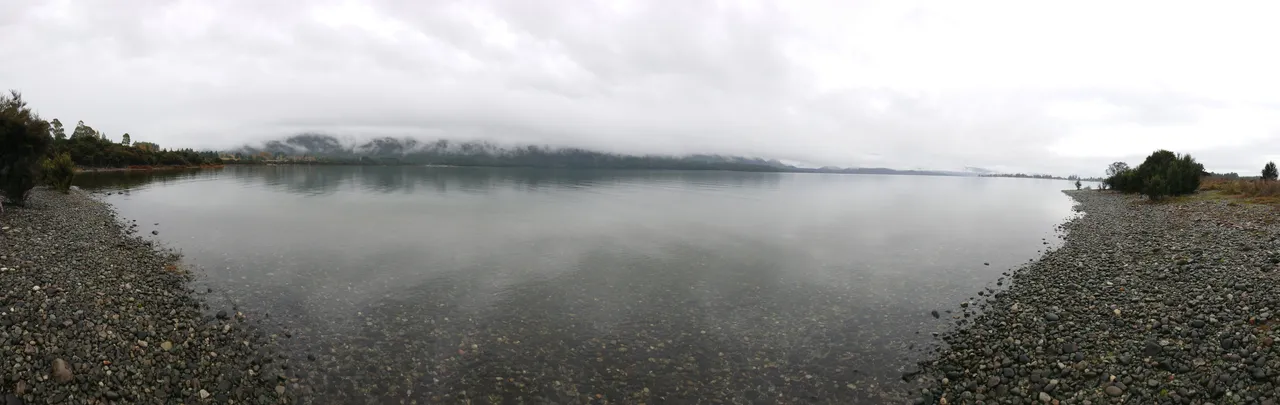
[576, 286]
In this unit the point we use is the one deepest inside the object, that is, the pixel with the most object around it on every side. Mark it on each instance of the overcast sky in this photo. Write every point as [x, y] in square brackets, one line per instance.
[1058, 87]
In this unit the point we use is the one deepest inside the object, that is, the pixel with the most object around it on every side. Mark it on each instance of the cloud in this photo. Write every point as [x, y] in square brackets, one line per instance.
[1009, 85]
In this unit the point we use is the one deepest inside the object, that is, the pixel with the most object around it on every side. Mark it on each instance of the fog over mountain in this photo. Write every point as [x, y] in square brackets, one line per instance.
[388, 150]
[1004, 85]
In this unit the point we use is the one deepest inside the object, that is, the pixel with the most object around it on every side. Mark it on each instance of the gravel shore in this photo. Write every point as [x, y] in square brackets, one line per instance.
[1172, 303]
[90, 314]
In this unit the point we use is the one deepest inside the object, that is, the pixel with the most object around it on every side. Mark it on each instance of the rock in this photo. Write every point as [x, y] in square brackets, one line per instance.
[1196, 323]
[222, 315]
[993, 381]
[1051, 317]
[61, 371]
[1113, 391]
[204, 394]
[166, 345]
[935, 314]
[1044, 397]
[1150, 348]
[909, 374]
[112, 395]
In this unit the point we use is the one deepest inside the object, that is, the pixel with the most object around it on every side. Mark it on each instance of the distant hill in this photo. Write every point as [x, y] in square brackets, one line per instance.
[389, 150]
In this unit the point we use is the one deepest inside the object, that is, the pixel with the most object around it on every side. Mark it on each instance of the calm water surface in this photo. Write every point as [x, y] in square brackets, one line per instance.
[542, 286]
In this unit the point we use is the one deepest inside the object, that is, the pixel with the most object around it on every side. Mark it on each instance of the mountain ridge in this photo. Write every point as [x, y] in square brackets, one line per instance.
[409, 150]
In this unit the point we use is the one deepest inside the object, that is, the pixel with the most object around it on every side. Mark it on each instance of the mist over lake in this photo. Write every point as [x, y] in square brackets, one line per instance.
[445, 283]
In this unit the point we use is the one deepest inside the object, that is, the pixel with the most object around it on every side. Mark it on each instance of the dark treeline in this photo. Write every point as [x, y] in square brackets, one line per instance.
[34, 151]
[1163, 173]
[91, 148]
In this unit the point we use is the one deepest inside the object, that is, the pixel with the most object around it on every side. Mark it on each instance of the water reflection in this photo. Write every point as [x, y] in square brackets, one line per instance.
[322, 180]
[557, 286]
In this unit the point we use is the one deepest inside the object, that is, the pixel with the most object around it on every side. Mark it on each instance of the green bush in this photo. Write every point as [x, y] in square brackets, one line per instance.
[59, 171]
[1177, 175]
[24, 137]
[1125, 181]
[1155, 188]
[1269, 171]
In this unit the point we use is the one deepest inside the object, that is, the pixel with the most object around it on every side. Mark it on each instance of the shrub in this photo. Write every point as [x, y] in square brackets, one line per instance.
[1124, 181]
[24, 137]
[1178, 175]
[1269, 171]
[1155, 188]
[59, 171]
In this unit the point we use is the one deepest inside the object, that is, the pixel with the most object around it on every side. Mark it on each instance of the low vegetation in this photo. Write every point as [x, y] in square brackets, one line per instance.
[1259, 190]
[1244, 187]
[59, 171]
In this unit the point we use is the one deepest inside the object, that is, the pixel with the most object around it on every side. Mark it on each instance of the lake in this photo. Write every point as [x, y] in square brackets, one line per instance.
[443, 284]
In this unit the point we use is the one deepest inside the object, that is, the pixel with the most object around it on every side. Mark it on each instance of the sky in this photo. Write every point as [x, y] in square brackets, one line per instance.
[1061, 87]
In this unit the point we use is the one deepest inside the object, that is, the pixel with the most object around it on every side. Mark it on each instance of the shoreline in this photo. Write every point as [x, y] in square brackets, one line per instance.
[93, 313]
[144, 168]
[1143, 303]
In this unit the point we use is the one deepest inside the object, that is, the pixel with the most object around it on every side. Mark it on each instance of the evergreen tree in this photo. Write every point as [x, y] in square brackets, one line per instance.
[1269, 171]
[24, 138]
[56, 130]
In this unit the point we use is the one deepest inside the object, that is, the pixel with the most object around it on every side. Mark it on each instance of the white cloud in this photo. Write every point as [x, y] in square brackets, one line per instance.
[1060, 87]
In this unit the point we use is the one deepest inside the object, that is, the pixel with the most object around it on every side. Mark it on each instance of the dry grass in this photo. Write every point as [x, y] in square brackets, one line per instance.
[1248, 191]
[1244, 188]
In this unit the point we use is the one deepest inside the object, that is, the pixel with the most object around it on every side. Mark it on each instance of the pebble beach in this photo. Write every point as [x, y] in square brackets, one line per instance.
[1168, 303]
[92, 314]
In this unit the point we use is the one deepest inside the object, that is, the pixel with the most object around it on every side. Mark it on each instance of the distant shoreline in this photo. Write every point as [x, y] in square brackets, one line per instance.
[144, 168]
[761, 169]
